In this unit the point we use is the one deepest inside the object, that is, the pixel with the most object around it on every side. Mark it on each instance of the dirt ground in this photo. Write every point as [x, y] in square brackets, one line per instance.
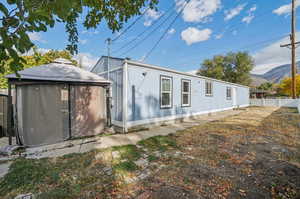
[255, 154]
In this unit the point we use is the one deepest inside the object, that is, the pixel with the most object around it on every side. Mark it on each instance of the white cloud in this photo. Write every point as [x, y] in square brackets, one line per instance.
[82, 41]
[40, 50]
[285, 9]
[171, 31]
[253, 8]
[247, 19]
[193, 72]
[193, 35]
[35, 36]
[85, 59]
[150, 16]
[198, 10]
[219, 36]
[95, 32]
[229, 14]
[272, 56]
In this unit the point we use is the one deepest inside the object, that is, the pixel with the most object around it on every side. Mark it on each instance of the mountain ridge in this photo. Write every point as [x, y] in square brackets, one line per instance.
[274, 75]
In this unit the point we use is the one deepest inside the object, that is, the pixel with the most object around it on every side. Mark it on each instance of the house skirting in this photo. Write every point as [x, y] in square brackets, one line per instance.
[160, 120]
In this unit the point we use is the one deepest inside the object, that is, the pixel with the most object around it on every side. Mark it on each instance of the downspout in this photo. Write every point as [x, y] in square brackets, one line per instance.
[125, 92]
[108, 105]
[70, 111]
[9, 114]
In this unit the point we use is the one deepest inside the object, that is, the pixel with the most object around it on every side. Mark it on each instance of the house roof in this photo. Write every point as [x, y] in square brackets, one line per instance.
[179, 72]
[59, 70]
[138, 63]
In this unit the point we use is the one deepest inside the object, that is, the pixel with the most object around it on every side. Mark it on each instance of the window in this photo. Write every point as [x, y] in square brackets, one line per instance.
[228, 93]
[166, 92]
[208, 88]
[185, 92]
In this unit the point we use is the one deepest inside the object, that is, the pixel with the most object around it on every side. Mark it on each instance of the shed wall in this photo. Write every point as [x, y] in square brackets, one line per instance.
[144, 96]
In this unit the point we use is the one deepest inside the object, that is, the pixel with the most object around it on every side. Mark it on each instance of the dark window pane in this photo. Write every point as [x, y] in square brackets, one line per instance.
[165, 99]
[208, 88]
[186, 86]
[185, 99]
[166, 84]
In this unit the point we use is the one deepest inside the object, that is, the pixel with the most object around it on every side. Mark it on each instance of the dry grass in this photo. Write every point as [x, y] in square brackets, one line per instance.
[255, 154]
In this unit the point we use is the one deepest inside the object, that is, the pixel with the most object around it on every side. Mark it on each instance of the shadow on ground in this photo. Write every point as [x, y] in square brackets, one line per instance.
[255, 154]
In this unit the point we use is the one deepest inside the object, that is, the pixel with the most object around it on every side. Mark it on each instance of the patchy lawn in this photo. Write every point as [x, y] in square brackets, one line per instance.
[255, 154]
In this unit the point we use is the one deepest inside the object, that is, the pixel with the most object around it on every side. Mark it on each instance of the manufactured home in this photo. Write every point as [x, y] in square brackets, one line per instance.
[146, 94]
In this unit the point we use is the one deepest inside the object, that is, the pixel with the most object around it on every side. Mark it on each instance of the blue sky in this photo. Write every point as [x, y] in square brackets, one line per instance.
[205, 28]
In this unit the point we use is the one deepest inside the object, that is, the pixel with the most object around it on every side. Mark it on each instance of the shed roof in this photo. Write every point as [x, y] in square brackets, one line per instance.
[59, 70]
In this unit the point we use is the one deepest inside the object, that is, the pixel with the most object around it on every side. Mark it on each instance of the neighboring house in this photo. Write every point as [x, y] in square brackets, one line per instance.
[258, 93]
[144, 94]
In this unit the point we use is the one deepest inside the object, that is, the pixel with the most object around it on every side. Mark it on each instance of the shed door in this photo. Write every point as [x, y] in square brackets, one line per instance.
[42, 114]
[88, 110]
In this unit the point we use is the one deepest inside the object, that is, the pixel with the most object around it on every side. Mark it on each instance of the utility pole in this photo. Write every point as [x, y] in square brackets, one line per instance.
[293, 49]
[109, 92]
[293, 36]
[108, 56]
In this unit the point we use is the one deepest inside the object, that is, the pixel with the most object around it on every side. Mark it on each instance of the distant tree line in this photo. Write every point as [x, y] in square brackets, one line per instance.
[232, 67]
[37, 58]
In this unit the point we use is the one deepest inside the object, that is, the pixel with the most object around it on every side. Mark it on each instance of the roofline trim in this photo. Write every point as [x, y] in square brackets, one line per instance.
[179, 72]
[104, 56]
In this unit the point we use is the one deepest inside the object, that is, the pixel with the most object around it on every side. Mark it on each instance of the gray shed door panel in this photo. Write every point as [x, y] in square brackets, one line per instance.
[44, 114]
[88, 110]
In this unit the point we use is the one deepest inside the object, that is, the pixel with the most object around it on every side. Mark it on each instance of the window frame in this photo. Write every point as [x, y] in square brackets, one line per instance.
[230, 97]
[211, 88]
[161, 92]
[189, 92]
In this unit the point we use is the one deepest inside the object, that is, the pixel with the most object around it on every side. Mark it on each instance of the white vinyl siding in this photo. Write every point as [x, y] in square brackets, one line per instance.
[185, 93]
[166, 94]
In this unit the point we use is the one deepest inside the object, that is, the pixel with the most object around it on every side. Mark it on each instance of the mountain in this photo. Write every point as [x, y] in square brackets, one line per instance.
[257, 80]
[276, 74]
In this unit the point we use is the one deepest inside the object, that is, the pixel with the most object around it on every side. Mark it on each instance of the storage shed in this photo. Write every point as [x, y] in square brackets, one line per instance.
[56, 102]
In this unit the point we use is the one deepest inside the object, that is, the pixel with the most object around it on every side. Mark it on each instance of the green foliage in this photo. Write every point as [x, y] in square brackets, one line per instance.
[126, 166]
[266, 86]
[158, 143]
[21, 175]
[130, 152]
[20, 17]
[34, 60]
[232, 67]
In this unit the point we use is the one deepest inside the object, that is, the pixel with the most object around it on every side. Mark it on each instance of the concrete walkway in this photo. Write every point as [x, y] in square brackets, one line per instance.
[88, 144]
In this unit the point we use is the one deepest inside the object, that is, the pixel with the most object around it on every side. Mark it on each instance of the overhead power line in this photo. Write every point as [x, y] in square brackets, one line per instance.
[148, 35]
[166, 31]
[245, 47]
[130, 26]
[144, 31]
